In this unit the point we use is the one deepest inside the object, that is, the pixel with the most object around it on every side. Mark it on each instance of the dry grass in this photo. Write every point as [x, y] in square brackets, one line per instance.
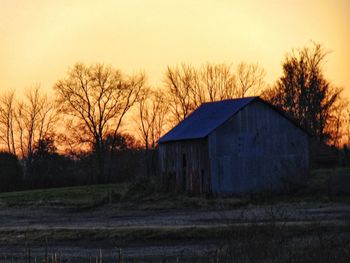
[274, 241]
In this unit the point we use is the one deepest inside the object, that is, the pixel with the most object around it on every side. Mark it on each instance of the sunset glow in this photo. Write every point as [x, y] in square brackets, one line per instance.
[174, 131]
[40, 39]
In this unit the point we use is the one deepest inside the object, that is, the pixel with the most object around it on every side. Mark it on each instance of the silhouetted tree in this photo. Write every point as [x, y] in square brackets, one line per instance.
[188, 87]
[152, 123]
[304, 93]
[181, 84]
[10, 172]
[7, 120]
[217, 82]
[127, 159]
[250, 79]
[95, 100]
[35, 118]
[23, 123]
[337, 129]
[49, 168]
[347, 127]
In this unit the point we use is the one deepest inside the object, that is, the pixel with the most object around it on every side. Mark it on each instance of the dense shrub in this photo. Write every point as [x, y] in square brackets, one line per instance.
[10, 172]
[45, 167]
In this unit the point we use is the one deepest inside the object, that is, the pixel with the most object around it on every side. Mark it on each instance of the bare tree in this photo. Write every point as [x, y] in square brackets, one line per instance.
[152, 121]
[7, 120]
[250, 79]
[188, 87]
[35, 118]
[338, 130]
[218, 82]
[95, 100]
[182, 88]
[347, 127]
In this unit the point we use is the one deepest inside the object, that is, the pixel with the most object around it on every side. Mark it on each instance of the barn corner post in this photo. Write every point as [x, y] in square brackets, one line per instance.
[163, 167]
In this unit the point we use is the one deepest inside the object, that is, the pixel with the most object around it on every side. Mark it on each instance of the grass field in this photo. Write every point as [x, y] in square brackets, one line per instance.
[123, 195]
[78, 196]
[323, 184]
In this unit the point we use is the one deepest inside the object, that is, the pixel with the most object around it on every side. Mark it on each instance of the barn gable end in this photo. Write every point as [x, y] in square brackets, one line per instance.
[257, 150]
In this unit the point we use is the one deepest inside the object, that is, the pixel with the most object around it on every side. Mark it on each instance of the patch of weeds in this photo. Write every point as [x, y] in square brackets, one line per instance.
[277, 241]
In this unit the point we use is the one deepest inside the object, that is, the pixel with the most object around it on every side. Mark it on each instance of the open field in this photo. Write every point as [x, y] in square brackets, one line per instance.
[78, 234]
[123, 223]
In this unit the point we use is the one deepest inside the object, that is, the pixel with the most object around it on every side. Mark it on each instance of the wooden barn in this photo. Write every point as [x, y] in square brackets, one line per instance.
[233, 147]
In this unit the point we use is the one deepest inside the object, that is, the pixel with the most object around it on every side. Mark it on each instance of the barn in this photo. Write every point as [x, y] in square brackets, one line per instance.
[234, 146]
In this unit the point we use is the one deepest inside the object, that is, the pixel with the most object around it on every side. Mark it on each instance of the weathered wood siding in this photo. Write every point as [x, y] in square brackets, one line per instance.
[256, 150]
[184, 165]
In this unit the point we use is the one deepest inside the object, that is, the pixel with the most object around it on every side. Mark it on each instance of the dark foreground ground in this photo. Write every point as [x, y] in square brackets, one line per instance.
[308, 231]
[137, 223]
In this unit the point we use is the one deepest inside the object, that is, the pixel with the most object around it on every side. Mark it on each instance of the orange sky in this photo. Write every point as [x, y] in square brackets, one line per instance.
[40, 39]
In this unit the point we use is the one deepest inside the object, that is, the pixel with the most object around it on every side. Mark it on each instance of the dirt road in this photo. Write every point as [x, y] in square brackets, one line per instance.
[77, 234]
[107, 217]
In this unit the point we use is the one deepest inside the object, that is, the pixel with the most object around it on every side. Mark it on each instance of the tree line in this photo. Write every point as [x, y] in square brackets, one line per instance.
[78, 133]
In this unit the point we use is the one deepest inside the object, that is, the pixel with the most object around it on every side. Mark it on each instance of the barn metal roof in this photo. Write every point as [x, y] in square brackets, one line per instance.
[205, 119]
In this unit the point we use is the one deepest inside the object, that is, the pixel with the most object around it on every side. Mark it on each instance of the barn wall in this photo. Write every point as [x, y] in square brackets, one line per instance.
[257, 150]
[184, 165]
